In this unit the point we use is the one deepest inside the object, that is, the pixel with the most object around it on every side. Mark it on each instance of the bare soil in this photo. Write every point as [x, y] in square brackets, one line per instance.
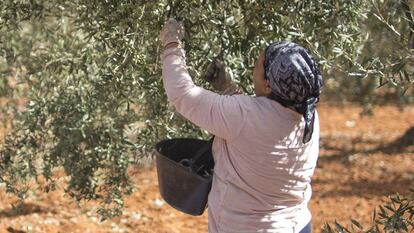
[362, 161]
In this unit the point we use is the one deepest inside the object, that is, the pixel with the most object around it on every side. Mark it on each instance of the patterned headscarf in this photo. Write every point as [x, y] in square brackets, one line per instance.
[295, 80]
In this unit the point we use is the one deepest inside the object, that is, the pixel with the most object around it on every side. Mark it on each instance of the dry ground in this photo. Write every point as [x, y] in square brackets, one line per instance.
[359, 167]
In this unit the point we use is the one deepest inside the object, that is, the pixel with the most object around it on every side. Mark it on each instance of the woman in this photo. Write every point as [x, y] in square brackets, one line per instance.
[265, 146]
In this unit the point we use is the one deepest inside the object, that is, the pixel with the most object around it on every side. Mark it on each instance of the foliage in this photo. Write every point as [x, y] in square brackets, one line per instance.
[93, 71]
[386, 59]
[397, 216]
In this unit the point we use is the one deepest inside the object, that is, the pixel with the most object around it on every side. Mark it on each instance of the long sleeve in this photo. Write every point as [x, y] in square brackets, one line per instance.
[221, 115]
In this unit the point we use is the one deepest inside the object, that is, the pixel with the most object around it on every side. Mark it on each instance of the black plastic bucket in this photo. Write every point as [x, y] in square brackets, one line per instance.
[184, 168]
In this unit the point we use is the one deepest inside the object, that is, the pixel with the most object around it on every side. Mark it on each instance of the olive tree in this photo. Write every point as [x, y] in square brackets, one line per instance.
[95, 101]
[386, 60]
[396, 216]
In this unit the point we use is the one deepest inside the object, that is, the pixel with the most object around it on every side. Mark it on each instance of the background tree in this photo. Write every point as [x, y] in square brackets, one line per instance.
[386, 58]
[92, 69]
[390, 25]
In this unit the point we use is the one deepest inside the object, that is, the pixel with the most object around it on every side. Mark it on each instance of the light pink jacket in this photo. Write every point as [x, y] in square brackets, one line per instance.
[262, 170]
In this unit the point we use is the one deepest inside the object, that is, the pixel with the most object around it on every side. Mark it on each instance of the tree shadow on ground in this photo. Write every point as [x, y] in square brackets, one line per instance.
[345, 152]
[398, 145]
[403, 144]
[12, 230]
[364, 188]
[22, 209]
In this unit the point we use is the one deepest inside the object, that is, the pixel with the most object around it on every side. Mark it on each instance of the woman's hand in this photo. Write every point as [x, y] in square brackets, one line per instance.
[172, 33]
[221, 78]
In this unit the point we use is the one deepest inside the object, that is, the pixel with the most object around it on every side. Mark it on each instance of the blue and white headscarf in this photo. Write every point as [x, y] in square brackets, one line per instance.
[295, 80]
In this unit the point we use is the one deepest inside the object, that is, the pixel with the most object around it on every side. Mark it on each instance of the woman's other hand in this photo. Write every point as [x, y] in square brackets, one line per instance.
[221, 78]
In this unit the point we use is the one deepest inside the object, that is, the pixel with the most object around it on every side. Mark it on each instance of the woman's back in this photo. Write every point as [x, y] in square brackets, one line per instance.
[262, 175]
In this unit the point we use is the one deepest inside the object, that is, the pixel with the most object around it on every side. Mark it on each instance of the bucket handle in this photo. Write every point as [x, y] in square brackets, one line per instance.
[191, 162]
